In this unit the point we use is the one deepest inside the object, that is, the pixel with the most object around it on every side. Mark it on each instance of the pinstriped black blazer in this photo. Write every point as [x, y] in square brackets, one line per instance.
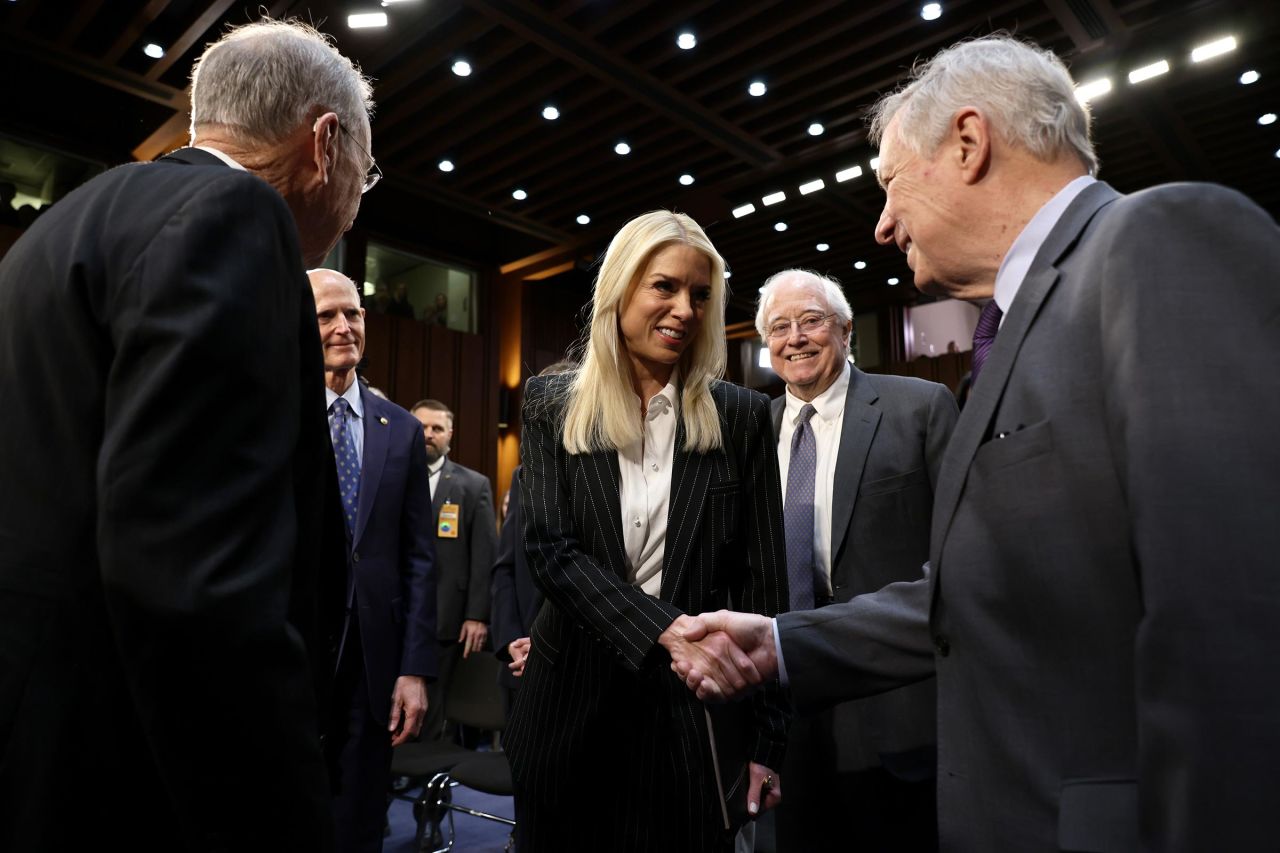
[599, 696]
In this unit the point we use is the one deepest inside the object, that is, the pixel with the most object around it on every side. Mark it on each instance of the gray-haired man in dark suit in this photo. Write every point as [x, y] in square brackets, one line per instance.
[860, 773]
[1102, 608]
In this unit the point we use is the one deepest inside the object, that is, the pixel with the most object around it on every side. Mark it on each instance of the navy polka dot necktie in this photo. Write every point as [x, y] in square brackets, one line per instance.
[344, 451]
[798, 513]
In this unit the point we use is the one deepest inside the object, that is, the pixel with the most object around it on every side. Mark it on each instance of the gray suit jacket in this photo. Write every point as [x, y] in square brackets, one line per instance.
[463, 563]
[1102, 610]
[895, 431]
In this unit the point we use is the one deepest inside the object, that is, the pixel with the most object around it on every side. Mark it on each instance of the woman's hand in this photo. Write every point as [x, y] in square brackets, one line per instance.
[764, 790]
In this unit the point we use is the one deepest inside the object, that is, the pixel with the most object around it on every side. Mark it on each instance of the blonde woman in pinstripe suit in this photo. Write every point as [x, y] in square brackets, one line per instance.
[650, 491]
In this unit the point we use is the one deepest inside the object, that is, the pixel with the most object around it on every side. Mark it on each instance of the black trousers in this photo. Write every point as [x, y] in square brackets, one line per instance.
[362, 756]
[868, 811]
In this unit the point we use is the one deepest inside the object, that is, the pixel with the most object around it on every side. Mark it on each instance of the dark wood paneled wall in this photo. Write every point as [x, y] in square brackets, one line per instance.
[410, 360]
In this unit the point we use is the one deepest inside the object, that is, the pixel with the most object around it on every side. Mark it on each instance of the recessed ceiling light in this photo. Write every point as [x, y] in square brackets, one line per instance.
[462, 68]
[811, 187]
[816, 129]
[822, 247]
[893, 281]
[685, 179]
[1278, 152]
[367, 20]
[859, 265]
[931, 11]
[848, 174]
[1267, 118]
[757, 88]
[779, 226]
[1249, 77]
[445, 165]
[1092, 90]
[686, 41]
[774, 198]
[583, 219]
[519, 195]
[874, 164]
[1214, 48]
[1146, 72]
[622, 148]
[550, 113]
[743, 210]
[153, 50]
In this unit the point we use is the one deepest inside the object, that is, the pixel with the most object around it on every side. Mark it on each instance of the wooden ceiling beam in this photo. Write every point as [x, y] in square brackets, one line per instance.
[84, 14]
[189, 36]
[40, 51]
[582, 52]
[131, 33]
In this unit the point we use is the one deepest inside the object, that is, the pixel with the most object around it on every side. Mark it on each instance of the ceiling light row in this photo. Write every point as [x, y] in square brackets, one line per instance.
[1094, 89]
[846, 174]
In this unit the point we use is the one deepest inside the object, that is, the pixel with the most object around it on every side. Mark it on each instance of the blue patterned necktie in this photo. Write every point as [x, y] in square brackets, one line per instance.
[984, 336]
[799, 511]
[344, 451]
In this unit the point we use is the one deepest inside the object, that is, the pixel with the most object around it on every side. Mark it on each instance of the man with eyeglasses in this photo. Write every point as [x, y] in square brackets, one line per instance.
[859, 456]
[170, 517]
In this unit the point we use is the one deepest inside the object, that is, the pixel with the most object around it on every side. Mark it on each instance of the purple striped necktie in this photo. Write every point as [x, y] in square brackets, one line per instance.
[984, 335]
[799, 513]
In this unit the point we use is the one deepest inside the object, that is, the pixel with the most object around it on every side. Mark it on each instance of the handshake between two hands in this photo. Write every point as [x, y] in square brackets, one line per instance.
[723, 655]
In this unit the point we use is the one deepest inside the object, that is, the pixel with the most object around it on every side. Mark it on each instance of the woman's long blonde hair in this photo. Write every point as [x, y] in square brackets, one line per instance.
[602, 412]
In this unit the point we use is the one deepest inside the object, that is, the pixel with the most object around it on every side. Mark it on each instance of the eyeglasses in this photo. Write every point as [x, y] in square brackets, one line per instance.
[374, 174]
[808, 325]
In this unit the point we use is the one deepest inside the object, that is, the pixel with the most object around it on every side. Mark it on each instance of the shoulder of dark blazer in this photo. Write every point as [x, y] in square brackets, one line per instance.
[376, 407]
[734, 401]
[905, 387]
[470, 478]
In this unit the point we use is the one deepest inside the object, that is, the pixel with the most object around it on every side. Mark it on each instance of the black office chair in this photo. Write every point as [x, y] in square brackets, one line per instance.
[474, 699]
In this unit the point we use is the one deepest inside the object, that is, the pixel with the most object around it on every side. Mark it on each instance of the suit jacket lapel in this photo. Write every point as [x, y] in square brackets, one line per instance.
[861, 420]
[975, 420]
[603, 478]
[690, 476]
[375, 457]
[442, 488]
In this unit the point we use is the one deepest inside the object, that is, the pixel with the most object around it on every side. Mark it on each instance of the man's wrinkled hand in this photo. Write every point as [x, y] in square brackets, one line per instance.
[408, 709]
[749, 634]
[715, 658]
[472, 636]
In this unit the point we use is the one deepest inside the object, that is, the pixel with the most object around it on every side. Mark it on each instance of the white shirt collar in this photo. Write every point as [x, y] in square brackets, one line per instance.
[1013, 269]
[351, 395]
[223, 156]
[434, 468]
[827, 405]
[664, 400]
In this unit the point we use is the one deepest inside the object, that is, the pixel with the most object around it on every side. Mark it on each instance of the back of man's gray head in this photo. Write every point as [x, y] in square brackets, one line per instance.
[828, 287]
[1026, 92]
[263, 80]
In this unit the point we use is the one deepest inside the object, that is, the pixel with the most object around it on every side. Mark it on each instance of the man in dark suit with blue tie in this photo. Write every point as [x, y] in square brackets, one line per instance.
[387, 649]
[1101, 607]
[860, 775]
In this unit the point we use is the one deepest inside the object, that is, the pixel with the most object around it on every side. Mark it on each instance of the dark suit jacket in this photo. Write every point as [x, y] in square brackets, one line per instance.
[463, 563]
[516, 600]
[392, 554]
[601, 723]
[1103, 608]
[164, 467]
[891, 444]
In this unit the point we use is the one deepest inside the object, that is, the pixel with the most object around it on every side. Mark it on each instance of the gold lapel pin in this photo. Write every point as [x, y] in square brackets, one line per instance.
[382, 421]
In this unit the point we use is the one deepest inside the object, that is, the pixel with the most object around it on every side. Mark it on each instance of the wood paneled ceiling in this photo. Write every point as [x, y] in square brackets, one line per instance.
[76, 75]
